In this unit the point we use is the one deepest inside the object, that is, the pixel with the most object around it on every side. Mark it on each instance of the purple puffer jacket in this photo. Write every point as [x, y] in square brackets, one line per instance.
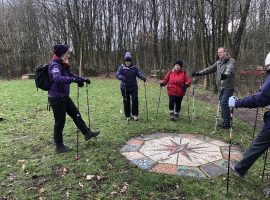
[61, 77]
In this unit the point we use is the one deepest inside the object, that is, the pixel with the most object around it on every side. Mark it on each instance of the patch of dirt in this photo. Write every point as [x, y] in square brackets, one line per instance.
[245, 114]
[59, 170]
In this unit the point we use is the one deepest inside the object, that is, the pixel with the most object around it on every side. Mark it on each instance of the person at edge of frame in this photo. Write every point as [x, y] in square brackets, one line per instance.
[58, 97]
[178, 81]
[225, 80]
[127, 74]
[262, 141]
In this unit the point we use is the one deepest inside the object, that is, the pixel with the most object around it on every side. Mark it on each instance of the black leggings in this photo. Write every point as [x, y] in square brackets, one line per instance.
[175, 103]
[61, 106]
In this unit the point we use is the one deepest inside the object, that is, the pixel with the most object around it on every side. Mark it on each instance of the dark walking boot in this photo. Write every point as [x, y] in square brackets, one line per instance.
[172, 118]
[62, 148]
[176, 116]
[232, 166]
[224, 126]
[91, 134]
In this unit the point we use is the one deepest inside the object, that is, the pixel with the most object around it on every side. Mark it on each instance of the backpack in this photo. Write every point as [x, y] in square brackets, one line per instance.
[42, 78]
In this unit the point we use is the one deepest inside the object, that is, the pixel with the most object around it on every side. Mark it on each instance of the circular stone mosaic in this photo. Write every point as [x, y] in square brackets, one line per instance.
[180, 154]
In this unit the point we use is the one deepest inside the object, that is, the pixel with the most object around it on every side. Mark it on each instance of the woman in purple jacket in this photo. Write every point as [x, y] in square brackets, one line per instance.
[58, 96]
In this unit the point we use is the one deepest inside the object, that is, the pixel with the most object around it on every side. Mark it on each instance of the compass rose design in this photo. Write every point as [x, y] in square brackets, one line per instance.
[180, 154]
[183, 149]
[179, 150]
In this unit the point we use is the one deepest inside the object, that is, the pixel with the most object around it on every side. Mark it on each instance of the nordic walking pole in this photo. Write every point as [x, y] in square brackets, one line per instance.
[145, 100]
[265, 160]
[158, 101]
[88, 109]
[218, 108]
[78, 115]
[194, 81]
[188, 106]
[125, 100]
[255, 124]
[256, 117]
[230, 144]
[193, 104]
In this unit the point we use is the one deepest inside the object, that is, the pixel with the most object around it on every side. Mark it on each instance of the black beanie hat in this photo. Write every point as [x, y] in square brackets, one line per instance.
[60, 49]
[179, 62]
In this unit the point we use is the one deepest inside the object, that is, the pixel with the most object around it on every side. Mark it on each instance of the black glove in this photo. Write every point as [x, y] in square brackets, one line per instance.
[223, 77]
[87, 80]
[123, 78]
[195, 74]
[144, 79]
[161, 84]
[80, 84]
[185, 87]
[78, 80]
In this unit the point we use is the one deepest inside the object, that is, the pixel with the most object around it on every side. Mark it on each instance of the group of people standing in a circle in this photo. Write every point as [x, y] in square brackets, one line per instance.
[177, 82]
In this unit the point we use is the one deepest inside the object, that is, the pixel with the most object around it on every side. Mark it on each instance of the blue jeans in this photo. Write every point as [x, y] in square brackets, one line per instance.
[224, 96]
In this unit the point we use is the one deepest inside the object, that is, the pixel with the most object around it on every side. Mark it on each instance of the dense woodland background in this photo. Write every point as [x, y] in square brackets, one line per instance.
[157, 33]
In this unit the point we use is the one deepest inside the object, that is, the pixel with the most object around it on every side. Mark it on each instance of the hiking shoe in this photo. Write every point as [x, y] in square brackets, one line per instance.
[62, 149]
[232, 166]
[91, 134]
[136, 118]
[172, 116]
[223, 126]
[176, 116]
[173, 119]
[128, 119]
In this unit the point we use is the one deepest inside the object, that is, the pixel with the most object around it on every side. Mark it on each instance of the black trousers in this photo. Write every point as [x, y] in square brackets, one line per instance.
[175, 103]
[126, 101]
[61, 106]
[257, 148]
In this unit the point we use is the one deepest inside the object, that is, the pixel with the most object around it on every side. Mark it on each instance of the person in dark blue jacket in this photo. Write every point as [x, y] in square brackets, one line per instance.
[58, 97]
[127, 73]
[262, 141]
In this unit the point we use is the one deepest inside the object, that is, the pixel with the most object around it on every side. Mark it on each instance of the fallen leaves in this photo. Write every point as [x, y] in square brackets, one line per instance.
[22, 163]
[120, 190]
[95, 177]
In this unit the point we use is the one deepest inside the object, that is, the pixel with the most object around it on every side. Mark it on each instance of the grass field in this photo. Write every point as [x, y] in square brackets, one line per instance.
[30, 168]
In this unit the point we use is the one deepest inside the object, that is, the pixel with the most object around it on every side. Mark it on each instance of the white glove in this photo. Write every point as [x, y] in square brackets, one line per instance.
[232, 101]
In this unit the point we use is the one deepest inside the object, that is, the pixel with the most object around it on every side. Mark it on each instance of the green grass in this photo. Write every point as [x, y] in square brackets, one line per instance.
[27, 134]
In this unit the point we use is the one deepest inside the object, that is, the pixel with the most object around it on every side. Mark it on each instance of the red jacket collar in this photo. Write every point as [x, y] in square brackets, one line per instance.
[55, 57]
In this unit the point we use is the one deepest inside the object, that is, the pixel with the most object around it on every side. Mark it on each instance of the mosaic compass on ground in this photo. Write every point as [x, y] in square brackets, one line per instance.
[180, 154]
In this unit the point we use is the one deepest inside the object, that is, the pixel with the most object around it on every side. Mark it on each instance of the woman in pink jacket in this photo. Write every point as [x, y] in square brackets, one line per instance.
[177, 82]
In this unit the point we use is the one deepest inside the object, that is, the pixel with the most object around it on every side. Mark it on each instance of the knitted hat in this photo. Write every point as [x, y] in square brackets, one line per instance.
[128, 57]
[179, 62]
[60, 49]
